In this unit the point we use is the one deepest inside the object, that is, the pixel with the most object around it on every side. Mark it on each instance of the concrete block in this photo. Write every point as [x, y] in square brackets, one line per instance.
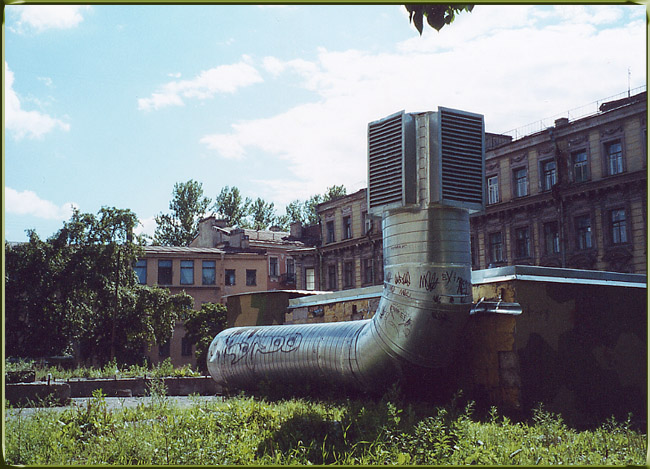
[23, 394]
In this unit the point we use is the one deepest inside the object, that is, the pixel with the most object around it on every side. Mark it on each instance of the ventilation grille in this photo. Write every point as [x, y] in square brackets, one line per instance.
[461, 148]
[385, 156]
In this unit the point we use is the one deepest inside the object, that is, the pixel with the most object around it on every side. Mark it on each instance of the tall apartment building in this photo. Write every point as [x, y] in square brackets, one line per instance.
[573, 195]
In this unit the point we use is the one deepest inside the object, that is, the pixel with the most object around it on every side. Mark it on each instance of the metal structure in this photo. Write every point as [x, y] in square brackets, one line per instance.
[425, 175]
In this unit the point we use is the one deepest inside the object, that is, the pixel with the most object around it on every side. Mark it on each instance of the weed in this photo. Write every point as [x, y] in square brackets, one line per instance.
[245, 430]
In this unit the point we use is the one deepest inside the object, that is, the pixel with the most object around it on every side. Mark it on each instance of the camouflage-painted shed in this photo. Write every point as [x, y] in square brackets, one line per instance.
[579, 346]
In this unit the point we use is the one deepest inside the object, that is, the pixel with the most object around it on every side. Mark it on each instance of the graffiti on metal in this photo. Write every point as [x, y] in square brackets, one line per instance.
[254, 344]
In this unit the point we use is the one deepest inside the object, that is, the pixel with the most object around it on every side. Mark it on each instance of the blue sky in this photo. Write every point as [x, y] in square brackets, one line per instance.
[111, 105]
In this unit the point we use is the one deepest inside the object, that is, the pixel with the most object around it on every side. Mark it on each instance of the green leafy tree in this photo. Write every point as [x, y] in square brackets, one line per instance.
[262, 214]
[334, 192]
[310, 206]
[181, 225]
[79, 287]
[293, 213]
[436, 14]
[305, 211]
[230, 205]
[36, 323]
[202, 326]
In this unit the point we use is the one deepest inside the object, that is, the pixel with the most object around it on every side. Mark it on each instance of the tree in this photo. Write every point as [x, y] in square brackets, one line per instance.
[262, 214]
[334, 192]
[331, 193]
[437, 14]
[230, 205]
[293, 213]
[79, 287]
[187, 206]
[36, 323]
[202, 326]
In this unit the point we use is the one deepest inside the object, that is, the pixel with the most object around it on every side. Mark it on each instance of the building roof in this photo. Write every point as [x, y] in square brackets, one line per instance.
[181, 250]
[558, 275]
[266, 292]
[268, 237]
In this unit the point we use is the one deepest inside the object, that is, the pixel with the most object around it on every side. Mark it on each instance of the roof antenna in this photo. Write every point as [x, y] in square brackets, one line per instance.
[629, 74]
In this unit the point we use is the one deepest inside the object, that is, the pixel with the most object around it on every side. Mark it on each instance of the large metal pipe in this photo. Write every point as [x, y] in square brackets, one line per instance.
[425, 302]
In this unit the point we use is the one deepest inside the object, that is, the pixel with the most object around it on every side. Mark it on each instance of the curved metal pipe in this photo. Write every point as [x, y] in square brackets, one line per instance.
[424, 304]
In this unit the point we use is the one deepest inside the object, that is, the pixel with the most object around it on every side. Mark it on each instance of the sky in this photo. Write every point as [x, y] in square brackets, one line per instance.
[111, 105]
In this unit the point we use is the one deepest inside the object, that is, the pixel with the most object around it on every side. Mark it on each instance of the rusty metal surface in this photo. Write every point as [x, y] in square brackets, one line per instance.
[425, 303]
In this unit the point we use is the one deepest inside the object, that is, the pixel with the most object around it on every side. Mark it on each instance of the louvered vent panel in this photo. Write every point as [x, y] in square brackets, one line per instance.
[385, 161]
[461, 156]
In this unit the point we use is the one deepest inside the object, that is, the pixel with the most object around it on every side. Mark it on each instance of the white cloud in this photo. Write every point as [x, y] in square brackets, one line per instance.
[221, 79]
[227, 146]
[29, 203]
[147, 226]
[21, 122]
[43, 17]
[47, 81]
[581, 14]
[510, 63]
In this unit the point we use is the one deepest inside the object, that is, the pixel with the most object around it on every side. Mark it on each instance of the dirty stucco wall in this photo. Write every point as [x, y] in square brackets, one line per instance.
[349, 310]
[257, 309]
[578, 349]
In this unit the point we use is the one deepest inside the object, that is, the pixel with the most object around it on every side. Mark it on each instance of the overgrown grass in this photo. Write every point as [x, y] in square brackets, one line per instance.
[253, 431]
[110, 370]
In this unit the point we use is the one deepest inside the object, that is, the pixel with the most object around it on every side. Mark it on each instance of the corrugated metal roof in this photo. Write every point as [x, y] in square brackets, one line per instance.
[181, 250]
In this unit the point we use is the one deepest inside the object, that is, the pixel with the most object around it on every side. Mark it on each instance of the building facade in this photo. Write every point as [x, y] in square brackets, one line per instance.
[571, 196]
[221, 261]
[349, 252]
[207, 275]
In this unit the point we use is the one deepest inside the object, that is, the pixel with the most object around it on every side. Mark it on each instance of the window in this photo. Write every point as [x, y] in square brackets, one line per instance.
[251, 277]
[230, 277]
[187, 272]
[348, 274]
[273, 267]
[347, 228]
[310, 279]
[331, 277]
[580, 166]
[496, 247]
[521, 182]
[366, 222]
[614, 156]
[209, 273]
[291, 270]
[186, 347]
[551, 238]
[583, 232]
[493, 189]
[619, 226]
[368, 271]
[141, 271]
[330, 232]
[163, 350]
[164, 272]
[522, 242]
[549, 175]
